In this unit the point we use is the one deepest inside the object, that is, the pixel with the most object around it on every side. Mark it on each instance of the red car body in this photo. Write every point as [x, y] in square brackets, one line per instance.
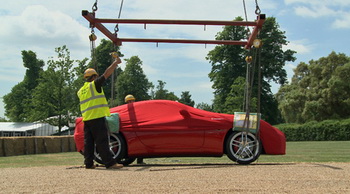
[163, 128]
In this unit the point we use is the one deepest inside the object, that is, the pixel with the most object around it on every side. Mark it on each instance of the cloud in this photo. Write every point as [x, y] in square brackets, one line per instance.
[314, 12]
[41, 30]
[342, 22]
[337, 11]
[340, 3]
[182, 9]
[37, 25]
[300, 46]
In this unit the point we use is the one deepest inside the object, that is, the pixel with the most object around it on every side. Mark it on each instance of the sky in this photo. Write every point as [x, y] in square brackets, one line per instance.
[314, 29]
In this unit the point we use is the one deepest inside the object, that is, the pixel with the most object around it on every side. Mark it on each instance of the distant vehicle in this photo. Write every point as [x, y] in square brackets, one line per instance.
[163, 128]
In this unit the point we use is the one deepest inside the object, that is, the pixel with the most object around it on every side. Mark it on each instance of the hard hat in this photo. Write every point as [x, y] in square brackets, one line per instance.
[129, 98]
[89, 72]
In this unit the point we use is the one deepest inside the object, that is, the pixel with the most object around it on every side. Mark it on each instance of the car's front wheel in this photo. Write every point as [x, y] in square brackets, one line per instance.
[243, 147]
[117, 147]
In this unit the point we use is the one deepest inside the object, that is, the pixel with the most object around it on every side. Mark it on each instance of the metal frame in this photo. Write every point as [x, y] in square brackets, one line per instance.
[98, 23]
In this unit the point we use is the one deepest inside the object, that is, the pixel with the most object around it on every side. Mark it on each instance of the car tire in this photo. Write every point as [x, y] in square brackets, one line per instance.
[243, 147]
[117, 147]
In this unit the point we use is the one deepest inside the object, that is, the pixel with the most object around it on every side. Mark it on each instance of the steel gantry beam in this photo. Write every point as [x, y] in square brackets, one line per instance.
[98, 23]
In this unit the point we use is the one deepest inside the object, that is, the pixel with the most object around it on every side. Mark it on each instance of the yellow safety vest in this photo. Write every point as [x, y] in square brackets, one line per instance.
[93, 104]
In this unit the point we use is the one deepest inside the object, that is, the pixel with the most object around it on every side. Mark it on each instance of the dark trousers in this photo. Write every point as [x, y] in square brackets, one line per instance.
[139, 160]
[96, 132]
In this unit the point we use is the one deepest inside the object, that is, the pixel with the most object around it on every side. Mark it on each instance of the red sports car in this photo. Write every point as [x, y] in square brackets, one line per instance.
[163, 128]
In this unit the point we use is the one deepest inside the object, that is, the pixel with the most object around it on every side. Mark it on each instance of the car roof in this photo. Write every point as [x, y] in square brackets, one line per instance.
[167, 113]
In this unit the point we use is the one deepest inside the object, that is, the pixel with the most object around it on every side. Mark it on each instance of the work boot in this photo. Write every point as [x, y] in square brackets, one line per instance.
[140, 161]
[116, 166]
[90, 167]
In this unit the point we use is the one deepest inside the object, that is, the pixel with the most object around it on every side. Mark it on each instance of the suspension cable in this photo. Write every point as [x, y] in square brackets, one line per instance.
[245, 11]
[257, 9]
[116, 28]
[120, 10]
[94, 7]
[250, 75]
[246, 17]
[259, 80]
[92, 38]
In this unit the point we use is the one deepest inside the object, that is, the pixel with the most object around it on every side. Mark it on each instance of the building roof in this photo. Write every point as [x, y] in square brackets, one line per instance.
[39, 129]
[18, 126]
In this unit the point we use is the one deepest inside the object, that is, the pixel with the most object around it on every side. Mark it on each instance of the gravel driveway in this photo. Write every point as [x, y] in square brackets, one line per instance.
[186, 178]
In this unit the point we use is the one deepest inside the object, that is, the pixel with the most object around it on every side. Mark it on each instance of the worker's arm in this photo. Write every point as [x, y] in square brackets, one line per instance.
[111, 68]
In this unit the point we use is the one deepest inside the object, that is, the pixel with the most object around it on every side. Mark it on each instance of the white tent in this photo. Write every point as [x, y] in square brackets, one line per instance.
[9, 129]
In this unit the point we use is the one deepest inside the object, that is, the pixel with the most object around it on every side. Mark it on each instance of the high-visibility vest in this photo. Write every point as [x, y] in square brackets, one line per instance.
[93, 104]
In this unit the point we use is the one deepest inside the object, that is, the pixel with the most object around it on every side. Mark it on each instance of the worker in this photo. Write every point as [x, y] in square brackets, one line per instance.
[130, 99]
[94, 109]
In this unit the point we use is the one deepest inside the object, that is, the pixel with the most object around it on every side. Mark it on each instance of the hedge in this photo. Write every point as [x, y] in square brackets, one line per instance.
[328, 130]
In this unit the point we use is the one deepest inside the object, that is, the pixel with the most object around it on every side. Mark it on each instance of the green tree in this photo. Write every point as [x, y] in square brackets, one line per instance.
[229, 69]
[55, 95]
[235, 99]
[186, 99]
[227, 64]
[18, 100]
[13, 101]
[78, 73]
[162, 93]
[205, 106]
[318, 91]
[338, 92]
[132, 81]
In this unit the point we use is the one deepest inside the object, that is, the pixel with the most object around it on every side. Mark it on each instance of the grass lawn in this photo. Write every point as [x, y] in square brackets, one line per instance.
[310, 151]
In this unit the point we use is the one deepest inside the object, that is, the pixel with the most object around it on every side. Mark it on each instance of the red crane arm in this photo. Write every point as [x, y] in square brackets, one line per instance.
[98, 23]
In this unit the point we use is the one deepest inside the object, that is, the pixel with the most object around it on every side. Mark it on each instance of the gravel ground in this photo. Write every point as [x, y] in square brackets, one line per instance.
[181, 178]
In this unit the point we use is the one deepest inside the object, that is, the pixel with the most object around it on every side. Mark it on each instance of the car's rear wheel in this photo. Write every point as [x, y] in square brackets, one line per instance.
[117, 147]
[243, 147]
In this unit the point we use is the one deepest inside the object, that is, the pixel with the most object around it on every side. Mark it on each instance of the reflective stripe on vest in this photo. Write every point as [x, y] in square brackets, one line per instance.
[92, 104]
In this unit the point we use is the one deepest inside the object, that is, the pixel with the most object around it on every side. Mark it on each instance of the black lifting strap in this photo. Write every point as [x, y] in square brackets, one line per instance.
[253, 63]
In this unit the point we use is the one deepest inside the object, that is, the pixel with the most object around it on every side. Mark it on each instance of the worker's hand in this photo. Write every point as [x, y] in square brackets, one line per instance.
[117, 61]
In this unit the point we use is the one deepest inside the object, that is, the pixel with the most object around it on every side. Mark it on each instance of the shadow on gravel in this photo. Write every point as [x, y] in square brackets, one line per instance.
[168, 167]
[160, 167]
[150, 167]
[327, 166]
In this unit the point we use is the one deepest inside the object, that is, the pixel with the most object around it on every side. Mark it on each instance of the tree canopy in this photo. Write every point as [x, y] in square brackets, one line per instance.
[162, 93]
[46, 93]
[21, 94]
[229, 69]
[186, 99]
[318, 91]
[132, 81]
[55, 94]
